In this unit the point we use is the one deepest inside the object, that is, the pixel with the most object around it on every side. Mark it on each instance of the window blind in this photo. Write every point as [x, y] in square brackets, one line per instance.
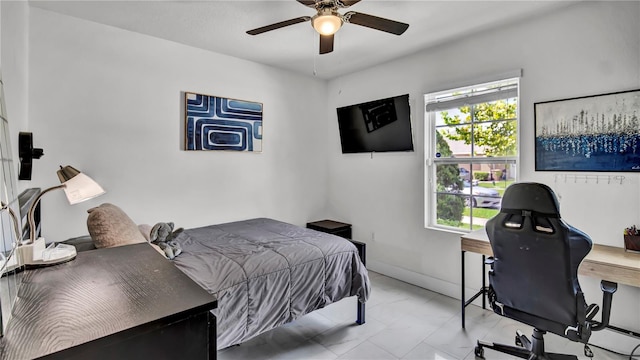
[477, 97]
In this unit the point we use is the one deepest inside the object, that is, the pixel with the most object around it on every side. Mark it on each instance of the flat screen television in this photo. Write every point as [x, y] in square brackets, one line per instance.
[376, 126]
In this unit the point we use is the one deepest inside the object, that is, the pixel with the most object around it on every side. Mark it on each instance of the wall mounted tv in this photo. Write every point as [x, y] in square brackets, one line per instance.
[377, 126]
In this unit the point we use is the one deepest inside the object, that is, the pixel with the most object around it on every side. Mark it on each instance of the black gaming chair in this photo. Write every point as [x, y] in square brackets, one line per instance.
[534, 273]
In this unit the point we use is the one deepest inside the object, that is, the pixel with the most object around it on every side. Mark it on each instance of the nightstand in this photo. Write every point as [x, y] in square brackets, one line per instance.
[343, 230]
[332, 227]
[340, 229]
[126, 302]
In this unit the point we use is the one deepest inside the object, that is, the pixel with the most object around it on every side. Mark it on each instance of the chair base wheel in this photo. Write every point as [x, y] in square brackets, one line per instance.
[479, 352]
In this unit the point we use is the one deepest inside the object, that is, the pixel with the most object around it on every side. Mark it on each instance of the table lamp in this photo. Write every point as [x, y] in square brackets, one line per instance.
[78, 187]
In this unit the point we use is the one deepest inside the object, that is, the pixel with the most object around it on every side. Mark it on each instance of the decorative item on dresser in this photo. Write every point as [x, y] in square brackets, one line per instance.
[123, 302]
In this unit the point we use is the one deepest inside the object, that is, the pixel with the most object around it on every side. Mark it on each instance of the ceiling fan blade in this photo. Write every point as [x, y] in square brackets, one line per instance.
[374, 22]
[310, 3]
[346, 3]
[326, 44]
[278, 25]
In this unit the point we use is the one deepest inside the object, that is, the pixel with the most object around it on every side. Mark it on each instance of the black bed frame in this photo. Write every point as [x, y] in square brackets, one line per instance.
[362, 252]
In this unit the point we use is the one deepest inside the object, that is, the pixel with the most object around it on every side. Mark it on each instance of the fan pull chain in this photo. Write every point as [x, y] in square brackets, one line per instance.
[316, 44]
[315, 70]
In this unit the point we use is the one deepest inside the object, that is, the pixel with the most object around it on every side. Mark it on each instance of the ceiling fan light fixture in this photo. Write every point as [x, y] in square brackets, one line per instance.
[326, 23]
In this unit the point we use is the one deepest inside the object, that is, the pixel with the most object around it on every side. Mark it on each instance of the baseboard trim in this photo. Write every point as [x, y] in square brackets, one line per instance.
[430, 283]
[414, 278]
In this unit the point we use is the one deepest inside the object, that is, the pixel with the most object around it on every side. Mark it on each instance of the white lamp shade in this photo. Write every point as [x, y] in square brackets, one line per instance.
[326, 24]
[81, 188]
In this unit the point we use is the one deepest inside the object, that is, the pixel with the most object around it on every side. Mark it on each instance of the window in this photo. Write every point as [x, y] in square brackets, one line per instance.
[471, 152]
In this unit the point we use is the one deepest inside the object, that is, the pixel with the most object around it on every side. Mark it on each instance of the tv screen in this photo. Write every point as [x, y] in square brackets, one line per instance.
[376, 126]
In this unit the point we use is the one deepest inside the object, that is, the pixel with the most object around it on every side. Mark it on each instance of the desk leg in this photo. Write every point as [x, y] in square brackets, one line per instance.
[484, 283]
[483, 291]
[462, 287]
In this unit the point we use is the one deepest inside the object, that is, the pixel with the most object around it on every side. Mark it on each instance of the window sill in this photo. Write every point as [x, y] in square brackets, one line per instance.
[451, 230]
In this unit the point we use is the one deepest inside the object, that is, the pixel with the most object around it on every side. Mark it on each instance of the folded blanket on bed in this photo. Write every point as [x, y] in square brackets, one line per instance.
[266, 273]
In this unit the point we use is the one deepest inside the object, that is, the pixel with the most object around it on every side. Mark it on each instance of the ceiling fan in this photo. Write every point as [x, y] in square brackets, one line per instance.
[328, 21]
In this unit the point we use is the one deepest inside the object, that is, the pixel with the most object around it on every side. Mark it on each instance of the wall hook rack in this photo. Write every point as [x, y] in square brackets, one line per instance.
[616, 179]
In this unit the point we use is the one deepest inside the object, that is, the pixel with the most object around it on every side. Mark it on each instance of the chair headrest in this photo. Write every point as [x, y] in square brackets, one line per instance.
[533, 197]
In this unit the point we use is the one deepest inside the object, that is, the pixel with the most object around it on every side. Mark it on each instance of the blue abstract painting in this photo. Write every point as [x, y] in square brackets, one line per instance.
[591, 133]
[217, 123]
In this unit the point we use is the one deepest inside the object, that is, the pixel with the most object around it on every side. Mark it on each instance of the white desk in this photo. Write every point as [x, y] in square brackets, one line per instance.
[603, 262]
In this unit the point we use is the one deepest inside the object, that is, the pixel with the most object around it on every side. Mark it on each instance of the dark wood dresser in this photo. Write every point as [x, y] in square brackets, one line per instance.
[125, 302]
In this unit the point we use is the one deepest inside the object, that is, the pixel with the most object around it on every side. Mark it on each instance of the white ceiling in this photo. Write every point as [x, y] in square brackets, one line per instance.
[221, 26]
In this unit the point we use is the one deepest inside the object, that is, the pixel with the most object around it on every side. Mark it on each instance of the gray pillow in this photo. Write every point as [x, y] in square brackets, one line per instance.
[109, 226]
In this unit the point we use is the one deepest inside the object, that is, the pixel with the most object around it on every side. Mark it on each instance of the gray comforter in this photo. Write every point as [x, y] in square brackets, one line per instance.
[266, 273]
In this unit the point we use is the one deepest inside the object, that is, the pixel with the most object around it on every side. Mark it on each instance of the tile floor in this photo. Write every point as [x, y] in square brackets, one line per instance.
[402, 322]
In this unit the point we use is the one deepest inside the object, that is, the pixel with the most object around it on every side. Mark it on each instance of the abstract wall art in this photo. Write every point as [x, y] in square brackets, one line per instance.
[217, 123]
[590, 133]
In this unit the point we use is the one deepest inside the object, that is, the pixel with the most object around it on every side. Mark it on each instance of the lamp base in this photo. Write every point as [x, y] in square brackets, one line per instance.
[38, 254]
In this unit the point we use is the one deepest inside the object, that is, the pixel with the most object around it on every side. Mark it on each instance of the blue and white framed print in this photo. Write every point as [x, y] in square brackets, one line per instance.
[589, 133]
[217, 123]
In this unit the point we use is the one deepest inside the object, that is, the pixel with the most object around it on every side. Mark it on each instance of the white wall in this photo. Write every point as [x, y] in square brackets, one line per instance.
[585, 49]
[109, 102]
[14, 61]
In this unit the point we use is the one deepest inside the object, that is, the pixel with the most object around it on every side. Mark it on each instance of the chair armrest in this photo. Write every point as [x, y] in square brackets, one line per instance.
[608, 288]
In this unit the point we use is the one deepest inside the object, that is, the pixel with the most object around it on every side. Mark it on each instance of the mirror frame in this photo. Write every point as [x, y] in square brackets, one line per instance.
[9, 274]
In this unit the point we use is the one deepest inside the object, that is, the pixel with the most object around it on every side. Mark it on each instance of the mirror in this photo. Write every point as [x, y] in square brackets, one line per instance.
[9, 270]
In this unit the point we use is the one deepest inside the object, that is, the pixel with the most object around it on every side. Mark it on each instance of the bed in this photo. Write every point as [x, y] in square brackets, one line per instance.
[266, 273]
